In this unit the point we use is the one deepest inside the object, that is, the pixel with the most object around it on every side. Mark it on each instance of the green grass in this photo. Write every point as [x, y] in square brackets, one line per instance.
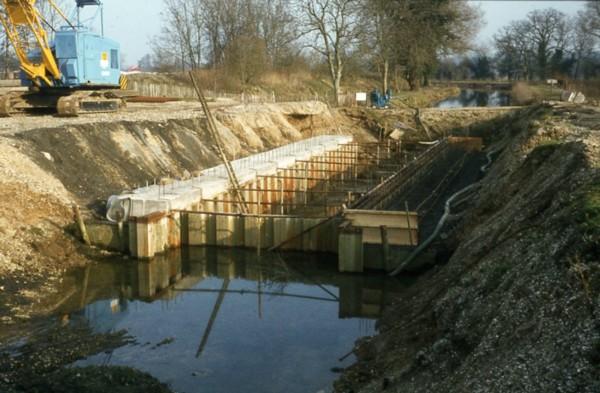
[591, 211]
[549, 142]
[546, 92]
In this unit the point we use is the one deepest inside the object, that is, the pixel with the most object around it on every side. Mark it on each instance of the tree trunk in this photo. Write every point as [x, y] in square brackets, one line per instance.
[413, 79]
[336, 71]
[386, 75]
[337, 87]
[542, 61]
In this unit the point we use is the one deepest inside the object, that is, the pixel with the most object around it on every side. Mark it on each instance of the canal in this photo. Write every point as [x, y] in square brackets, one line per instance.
[216, 320]
[477, 98]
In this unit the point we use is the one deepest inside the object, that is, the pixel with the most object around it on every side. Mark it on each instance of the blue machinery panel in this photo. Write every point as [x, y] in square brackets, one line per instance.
[87, 59]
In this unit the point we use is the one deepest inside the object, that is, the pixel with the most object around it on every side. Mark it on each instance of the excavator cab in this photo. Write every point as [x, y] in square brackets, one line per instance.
[86, 59]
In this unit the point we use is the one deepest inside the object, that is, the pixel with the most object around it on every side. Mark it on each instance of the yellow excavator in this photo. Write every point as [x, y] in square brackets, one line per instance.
[77, 72]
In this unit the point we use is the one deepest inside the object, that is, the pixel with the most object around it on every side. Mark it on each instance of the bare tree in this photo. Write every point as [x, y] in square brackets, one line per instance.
[515, 51]
[6, 57]
[278, 29]
[51, 18]
[212, 15]
[379, 24]
[548, 31]
[180, 42]
[425, 30]
[582, 44]
[590, 18]
[334, 30]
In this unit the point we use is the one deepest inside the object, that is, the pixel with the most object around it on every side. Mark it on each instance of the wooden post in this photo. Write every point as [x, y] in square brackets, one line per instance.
[281, 196]
[81, 225]
[350, 250]
[385, 247]
[121, 230]
[259, 223]
[326, 196]
[305, 183]
[258, 199]
[408, 223]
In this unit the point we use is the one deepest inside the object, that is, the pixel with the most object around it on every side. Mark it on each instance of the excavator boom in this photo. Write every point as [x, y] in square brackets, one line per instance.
[24, 14]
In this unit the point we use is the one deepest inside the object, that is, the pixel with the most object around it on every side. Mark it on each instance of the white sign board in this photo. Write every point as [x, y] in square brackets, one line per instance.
[361, 97]
[552, 82]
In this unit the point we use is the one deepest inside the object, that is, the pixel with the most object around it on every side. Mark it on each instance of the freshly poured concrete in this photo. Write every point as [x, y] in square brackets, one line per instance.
[182, 195]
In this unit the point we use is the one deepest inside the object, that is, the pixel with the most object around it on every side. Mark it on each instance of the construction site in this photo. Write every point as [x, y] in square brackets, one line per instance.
[158, 236]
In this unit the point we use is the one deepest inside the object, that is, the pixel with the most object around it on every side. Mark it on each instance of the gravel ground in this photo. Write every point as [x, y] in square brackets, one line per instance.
[134, 112]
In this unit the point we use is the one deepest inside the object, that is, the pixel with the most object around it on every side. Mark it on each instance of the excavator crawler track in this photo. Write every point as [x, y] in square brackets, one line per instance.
[69, 105]
[89, 102]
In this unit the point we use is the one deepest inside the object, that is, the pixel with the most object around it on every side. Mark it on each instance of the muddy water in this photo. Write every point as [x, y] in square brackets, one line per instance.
[228, 321]
[477, 98]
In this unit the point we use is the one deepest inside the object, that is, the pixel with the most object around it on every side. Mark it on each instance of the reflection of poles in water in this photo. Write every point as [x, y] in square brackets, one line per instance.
[86, 279]
[213, 317]
[259, 284]
[298, 272]
[249, 292]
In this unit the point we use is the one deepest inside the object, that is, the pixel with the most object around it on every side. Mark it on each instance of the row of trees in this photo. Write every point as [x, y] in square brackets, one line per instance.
[547, 43]
[247, 37]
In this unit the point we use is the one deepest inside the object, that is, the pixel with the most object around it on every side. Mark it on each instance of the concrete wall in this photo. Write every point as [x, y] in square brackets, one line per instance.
[157, 234]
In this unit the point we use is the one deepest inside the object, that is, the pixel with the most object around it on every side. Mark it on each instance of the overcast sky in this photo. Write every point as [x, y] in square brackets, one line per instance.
[134, 22]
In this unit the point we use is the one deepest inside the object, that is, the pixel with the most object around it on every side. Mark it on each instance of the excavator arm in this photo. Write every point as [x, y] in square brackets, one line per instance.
[23, 14]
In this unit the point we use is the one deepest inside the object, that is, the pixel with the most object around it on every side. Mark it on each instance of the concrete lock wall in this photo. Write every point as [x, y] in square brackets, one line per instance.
[155, 235]
[202, 211]
[158, 220]
[152, 236]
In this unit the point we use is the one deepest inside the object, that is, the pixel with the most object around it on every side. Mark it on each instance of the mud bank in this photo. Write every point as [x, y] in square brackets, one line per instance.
[515, 308]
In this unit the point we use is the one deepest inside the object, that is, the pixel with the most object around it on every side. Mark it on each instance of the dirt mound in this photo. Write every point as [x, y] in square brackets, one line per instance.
[34, 249]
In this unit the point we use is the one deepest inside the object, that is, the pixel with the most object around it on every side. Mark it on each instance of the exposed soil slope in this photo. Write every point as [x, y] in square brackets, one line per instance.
[516, 307]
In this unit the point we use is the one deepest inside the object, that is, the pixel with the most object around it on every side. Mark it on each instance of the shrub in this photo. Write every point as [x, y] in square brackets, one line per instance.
[522, 94]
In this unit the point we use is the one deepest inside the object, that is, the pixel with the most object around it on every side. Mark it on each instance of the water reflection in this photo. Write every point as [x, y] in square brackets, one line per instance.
[476, 98]
[228, 320]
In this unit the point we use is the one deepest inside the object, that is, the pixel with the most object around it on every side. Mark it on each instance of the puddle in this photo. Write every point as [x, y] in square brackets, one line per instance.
[217, 320]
